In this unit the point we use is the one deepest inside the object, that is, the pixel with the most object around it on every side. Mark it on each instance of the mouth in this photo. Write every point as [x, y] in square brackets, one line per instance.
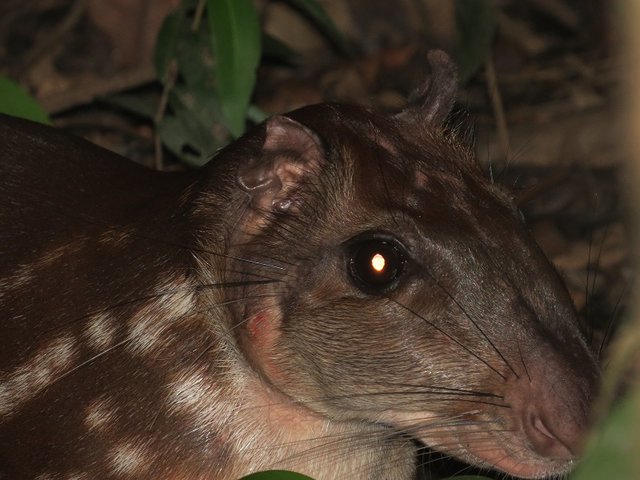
[524, 465]
[491, 447]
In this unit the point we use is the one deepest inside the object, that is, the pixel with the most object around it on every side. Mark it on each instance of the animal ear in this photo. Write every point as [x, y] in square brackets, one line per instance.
[290, 153]
[432, 101]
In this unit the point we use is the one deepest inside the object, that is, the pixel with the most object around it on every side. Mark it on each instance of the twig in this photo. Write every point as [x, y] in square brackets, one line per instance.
[521, 34]
[197, 18]
[498, 108]
[53, 38]
[560, 11]
[168, 84]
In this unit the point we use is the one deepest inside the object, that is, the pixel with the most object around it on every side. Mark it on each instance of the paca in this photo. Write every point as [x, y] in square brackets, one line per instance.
[331, 287]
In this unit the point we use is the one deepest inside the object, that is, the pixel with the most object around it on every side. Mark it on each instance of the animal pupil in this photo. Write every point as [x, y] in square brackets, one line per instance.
[376, 264]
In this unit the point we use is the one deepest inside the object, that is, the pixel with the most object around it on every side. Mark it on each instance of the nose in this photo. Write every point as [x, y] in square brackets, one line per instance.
[551, 405]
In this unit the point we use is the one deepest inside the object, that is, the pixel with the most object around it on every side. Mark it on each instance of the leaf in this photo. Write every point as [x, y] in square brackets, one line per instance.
[192, 126]
[189, 131]
[317, 14]
[476, 25]
[276, 475]
[235, 35]
[256, 115]
[195, 61]
[613, 452]
[166, 43]
[16, 101]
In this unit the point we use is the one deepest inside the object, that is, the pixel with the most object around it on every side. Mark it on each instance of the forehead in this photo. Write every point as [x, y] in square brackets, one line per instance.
[378, 165]
[389, 169]
[429, 181]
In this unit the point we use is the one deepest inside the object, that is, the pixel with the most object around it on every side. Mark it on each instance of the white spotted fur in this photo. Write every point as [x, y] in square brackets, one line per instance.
[37, 373]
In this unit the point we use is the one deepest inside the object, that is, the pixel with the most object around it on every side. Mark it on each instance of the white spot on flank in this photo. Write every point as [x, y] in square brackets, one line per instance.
[148, 327]
[44, 368]
[100, 331]
[23, 275]
[46, 476]
[60, 476]
[77, 476]
[100, 414]
[130, 458]
[193, 393]
[50, 257]
[116, 236]
[189, 391]
[28, 272]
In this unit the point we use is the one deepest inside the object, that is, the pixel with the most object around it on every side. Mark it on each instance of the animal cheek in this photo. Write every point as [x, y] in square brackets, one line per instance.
[263, 335]
[259, 326]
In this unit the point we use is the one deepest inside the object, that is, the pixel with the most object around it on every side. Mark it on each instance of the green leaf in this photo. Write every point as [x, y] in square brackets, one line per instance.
[476, 25]
[195, 60]
[613, 451]
[316, 13]
[256, 115]
[276, 475]
[189, 131]
[235, 35]
[166, 43]
[16, 101]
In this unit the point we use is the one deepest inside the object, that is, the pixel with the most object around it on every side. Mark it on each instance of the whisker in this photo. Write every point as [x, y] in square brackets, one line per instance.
[153, 239]
[443, 389]
[155, 296]
[603, 237]
[524, 365]
[127, 340]
[450, 337]
[612, 320]
[475, 324]
[91, 360]
[432, 397]
[591, 272]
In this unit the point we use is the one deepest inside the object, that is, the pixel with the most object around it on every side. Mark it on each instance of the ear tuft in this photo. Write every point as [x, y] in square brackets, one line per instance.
[431, 102]
[285, 134]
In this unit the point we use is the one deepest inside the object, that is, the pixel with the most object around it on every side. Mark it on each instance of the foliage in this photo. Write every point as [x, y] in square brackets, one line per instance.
[208, 70]
[476, 25]
[613, 450]
[15, 101]
[235, 38]
[613, 446]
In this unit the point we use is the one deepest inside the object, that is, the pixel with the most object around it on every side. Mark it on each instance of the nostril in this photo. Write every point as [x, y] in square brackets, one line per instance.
[543, 439]
[540, 426]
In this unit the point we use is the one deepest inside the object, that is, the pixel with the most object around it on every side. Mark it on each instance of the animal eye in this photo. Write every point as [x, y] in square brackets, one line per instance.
[375, 264]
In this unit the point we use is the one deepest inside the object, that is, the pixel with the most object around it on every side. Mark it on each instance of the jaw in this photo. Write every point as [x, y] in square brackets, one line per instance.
[519, 463]
[480, 442]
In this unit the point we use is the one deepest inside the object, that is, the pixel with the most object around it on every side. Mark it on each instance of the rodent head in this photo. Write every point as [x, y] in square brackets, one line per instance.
[382, 278]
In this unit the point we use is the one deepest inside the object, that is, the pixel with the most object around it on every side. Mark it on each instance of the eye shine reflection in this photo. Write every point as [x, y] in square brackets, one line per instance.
[378, 263]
